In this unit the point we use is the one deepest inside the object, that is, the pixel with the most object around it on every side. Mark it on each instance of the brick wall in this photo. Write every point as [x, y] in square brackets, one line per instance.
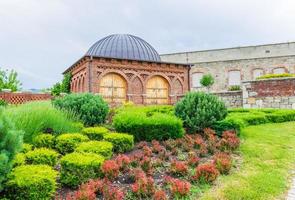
[23, 97]
[270, 93]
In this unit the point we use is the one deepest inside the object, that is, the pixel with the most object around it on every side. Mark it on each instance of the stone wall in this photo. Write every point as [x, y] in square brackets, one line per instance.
[232, 99]
[269, 93]
[23, 97]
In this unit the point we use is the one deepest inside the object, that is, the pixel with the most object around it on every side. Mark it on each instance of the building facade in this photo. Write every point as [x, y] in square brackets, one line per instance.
[126, 68]
[232, 66]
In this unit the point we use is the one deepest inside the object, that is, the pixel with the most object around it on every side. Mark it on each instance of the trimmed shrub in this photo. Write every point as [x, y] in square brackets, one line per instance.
[199, 110]
[98, 147]
[44, 140]
[31, 182]
[270, 76]
[26, 147]
[95, 133]
[42, 156]
[41, 117]
[20, 159]
[10, 144]
[66, 143]
[158, 126]
[122, 142]
[90, 108]
[228, 124]
[77, 168]
[234, 88]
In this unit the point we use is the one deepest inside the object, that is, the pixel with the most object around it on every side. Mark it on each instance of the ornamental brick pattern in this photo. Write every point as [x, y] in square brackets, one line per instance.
[20, 98]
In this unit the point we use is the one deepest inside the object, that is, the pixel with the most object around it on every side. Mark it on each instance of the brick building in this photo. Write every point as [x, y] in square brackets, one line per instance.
[126, 68]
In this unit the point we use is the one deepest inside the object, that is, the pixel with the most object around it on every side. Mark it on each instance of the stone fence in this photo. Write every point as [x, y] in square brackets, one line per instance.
[23, 97]
[232, 99]
[269, 93]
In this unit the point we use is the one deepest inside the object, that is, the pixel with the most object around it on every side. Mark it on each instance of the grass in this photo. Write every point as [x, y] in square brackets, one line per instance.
[36, 117]
[268, 153]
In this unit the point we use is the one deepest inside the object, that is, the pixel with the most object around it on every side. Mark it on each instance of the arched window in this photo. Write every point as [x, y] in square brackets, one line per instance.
[279, 70]
[196, 78]
[257, 73]
[234, 78]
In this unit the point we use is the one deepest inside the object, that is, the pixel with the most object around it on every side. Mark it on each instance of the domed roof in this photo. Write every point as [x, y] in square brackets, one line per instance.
[124, 46]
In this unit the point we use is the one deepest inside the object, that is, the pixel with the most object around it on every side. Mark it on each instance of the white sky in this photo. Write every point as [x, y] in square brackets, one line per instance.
[41, 38]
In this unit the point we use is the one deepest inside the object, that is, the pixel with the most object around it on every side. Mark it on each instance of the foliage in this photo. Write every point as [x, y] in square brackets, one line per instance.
[42, 156]
[95, 133]
[228, 124]
[66, 143]
[199, 110]
[160, 195]
[63, 87]
[90, 108]
[110, 169]
[19, 159]
[44, 140]
[10, 144]
[179, 168]
[98, 147]
[123, 162]
[39, 117]
[3, 103]
[207, 81]
[179, 188]
[56, 89]
[9, 80]
[77, 168]
[234, 88]
[270, 76]
[206, 173]
[122, 142]
[26, 147]
[157, 126]
[229, 141]
[31, 182]
[222, 162]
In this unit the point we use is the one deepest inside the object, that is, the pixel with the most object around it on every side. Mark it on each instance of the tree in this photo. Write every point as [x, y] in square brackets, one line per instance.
[9, 80]
[56, 89]
[63, 87]
[207, 81]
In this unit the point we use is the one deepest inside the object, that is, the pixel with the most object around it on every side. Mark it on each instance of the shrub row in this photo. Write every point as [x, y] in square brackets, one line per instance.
[269, 76]
[66, 143]
[95, 133]
[98, 147]
[122, 142]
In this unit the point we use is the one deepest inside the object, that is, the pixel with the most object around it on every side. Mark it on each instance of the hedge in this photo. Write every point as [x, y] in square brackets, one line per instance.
[66, 143]
[32, 182]
[122, 142]
[42, 156]
[98, 147]
[270, 76]
[44, 140]
[95, 133]
[77, 168]
[148, 127]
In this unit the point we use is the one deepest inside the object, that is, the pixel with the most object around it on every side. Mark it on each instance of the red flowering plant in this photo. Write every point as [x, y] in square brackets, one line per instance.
[203, 151]
[222, 162]
[143, 186]
[198, 142]
[110, 169]
[147, 151]
[135, 158]
[229, 141]
[141, 144]
[169, 144]
[86, 191]
[146, 165]
[160, 195]
[179, 168]
[112, 193]
[157, 147]
[193, 159]
[179, 188]
[205, 173]
[123, 162]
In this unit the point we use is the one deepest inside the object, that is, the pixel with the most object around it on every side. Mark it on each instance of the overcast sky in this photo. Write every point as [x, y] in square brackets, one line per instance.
[41, 38]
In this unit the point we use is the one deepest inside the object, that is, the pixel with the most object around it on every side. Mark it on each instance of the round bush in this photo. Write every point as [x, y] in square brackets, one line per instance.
[42, 156]
[20, 159]
[90, 108]
[77, 168]
[66, 143]
[95, 133]
[31, 182]
[26, 147]
[99, 147]
[122, 142]
[199, 110]
[44, 140]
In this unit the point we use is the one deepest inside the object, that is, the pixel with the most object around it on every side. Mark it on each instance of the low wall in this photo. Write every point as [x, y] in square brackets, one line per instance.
[23, 97]
[269, 93]
[232, 99]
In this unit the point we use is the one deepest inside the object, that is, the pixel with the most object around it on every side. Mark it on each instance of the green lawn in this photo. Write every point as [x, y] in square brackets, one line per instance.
[268, 155]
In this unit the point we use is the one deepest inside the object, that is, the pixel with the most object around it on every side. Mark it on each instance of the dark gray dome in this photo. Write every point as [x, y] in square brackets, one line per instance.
[124, 46]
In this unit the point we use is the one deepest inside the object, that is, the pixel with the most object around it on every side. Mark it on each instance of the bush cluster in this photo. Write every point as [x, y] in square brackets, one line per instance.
[157, 126]
[31, 182]
[122, 142]
[270, 76]
[77, 168]
[44, 140]
[66, 143]
[199, 110]
[95, 133]
[98, 147]
[42, 156]
[90, 108]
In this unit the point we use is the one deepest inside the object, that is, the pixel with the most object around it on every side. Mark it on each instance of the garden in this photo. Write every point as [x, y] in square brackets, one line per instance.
[77, 148]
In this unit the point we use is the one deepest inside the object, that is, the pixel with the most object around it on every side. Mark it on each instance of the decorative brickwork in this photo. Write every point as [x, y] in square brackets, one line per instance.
[19, 98]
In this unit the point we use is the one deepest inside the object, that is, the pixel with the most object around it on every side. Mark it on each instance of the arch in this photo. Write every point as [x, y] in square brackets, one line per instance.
[157, 90]
[178, 87]
[79, 85]
[257, 72]
[279, 70]
[137, 90]
[113, 88]
[83, 84]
